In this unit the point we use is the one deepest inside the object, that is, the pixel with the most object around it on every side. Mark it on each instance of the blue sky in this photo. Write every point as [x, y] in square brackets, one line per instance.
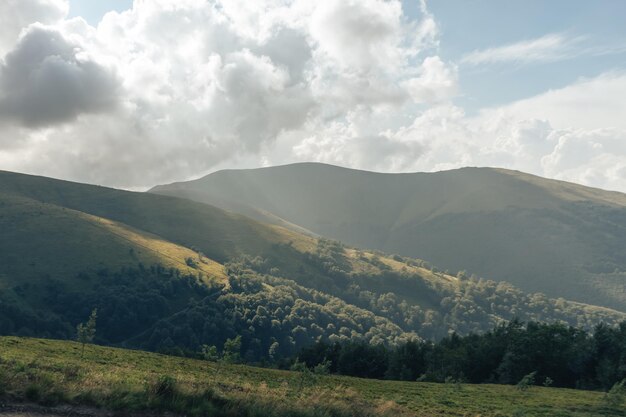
[480, 24]
[172, 90]
[93, 10]
[477, 25]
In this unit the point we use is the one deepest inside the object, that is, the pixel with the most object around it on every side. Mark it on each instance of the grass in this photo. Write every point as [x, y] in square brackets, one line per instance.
[41, 241]
[51, 372]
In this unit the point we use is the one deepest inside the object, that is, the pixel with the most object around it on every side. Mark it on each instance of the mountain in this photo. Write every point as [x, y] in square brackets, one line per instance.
[170, 274]
[542, 235]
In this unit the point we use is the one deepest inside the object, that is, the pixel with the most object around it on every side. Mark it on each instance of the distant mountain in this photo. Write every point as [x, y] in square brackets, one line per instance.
[170, 274]
[542, 235]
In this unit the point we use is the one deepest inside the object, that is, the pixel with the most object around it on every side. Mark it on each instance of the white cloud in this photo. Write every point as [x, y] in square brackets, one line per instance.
[596, 157]
[550, 47]
[47, 79]
[436, 82]
[587, 104]
[172, 90]
[168, 90]
[556, 135]
[17, 14]
[360, 36]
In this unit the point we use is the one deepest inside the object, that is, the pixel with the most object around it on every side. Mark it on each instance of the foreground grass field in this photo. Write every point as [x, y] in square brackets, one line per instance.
[52, 372]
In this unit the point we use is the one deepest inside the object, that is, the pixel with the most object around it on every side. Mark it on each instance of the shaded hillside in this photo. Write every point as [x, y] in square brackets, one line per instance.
[179, 274]
[542, 235]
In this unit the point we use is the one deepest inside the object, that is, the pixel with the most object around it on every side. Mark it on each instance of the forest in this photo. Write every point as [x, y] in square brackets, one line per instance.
[531, 353]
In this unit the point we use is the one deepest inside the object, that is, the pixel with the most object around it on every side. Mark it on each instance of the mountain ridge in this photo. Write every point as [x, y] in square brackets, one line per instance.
[498, 223]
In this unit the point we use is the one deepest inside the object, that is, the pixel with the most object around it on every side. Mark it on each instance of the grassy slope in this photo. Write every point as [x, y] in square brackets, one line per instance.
[542, 235]
[218, 233]
[41, 241]
[53, 372]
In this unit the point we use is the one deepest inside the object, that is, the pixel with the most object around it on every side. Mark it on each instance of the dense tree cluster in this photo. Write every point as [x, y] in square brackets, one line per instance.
[129, 301]
[557, 355]
[275, 318]
[428, 308]
[279, 306]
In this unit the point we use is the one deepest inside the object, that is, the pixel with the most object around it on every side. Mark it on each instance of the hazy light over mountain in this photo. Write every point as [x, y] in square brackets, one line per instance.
[158, 91]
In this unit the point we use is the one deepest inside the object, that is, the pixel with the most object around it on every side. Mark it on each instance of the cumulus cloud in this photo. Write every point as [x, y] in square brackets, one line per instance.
[172, 90]
[596, 157]
[17, 14]
[587, 104]
[557, 134]
[362, 35]
[436, 82]
[47, 79]
[168, 90]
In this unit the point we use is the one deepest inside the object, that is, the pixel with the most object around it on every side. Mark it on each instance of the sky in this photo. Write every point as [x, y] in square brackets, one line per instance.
[133, 94]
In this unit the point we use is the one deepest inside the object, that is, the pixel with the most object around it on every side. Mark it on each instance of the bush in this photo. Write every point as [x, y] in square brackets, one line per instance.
[616, 395]
[526, 382]
[165, 388]
[322, 368]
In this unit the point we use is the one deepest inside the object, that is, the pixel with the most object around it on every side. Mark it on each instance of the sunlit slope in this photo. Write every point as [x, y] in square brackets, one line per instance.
[218, 234]
[543, 235]
[42, 242]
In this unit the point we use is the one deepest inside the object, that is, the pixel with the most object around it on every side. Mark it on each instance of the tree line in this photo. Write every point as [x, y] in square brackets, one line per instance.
[544, 354]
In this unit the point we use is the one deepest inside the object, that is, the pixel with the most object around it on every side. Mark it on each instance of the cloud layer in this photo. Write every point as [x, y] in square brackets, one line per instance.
[171, 90]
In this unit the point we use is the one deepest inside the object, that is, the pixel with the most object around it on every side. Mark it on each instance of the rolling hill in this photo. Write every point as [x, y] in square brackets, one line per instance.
[169, 274]
[542, 235]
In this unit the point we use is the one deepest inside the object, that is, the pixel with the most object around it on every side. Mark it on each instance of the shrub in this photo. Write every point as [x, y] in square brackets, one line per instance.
[616, 395]
[527, 381]
[165, 388]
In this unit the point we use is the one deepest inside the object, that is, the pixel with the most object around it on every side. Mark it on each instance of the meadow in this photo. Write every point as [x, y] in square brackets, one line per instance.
[51, 373]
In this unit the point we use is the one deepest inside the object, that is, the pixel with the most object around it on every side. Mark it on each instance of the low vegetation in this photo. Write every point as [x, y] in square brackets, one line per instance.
[53, 372]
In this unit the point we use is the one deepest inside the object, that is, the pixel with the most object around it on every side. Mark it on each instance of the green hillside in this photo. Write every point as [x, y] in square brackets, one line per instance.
[542, 235]
[179, 274]
[53, 373]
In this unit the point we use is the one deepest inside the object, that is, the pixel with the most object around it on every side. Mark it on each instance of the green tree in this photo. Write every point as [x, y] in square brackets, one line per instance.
[210, 353]
[615, 397]
[273, 350]
[307, 378]
[322, 368]
[85, 332]
[232, 350]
